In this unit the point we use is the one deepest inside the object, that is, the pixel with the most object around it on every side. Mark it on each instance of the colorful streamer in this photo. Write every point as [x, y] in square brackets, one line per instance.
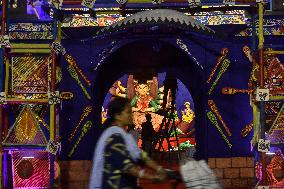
[224, 67]
[214, 108]
[213, 120]
[85, 129]
[85, 113]
[73, 73]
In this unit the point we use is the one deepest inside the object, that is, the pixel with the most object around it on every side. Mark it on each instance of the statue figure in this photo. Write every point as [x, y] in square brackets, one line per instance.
[187, 113]
[145, 97]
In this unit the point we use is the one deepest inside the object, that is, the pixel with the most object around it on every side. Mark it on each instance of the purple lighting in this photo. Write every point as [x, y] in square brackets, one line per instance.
[5, 170]
[35, 7]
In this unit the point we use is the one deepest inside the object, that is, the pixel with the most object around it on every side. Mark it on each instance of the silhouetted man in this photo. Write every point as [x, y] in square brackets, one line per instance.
[147, 134]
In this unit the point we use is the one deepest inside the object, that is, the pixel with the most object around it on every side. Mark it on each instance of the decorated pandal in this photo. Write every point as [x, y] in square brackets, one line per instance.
[50, 112]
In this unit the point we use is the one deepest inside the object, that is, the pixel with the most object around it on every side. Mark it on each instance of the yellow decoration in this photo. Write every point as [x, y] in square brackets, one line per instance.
[104, 114]
[187, 113]
[27, 126]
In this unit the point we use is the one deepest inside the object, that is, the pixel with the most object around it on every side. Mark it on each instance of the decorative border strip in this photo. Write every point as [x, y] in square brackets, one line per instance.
[30, 35]
[266, 31]
[34, 27]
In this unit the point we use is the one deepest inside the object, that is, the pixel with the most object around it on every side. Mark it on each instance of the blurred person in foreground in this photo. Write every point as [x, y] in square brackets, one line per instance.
[118, 162]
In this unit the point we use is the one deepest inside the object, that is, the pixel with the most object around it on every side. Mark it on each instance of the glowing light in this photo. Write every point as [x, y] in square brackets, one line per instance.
[28, 157]
[270, 153]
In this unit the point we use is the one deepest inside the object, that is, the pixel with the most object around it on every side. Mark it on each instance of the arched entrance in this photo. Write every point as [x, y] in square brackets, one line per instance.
[163, 57]
[148, 32]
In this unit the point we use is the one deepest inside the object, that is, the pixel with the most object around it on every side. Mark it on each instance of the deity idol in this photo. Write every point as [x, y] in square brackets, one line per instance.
[145, 98]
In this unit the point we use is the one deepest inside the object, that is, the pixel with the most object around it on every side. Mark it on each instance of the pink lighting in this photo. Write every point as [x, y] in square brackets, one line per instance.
[31, 169]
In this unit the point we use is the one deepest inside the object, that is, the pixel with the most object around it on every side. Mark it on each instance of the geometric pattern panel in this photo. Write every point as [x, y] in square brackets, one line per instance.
[276, 137]
[276, 132]
[30, 73]
[30, 169]
[26, 130]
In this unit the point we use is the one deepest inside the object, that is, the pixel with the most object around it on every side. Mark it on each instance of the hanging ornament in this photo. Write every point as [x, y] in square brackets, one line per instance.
[156, 2]
[53, 97]
[4, 41]
[58, 48]
[122, 2]
[194, 3]
[88, 3]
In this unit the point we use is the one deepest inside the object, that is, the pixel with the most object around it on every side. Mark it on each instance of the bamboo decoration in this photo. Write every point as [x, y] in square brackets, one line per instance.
[73, 73]
[214, 108]
[213, 120]
[224, 67]
[7, 75]
[224, 53]
[232, 91]
[85, 113]
[245, 131]
[3, 23]
[73, 63]
[85, 129]
[1, 147]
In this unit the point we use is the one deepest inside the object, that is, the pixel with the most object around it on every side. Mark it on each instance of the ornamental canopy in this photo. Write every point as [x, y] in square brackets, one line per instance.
[163, 20]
